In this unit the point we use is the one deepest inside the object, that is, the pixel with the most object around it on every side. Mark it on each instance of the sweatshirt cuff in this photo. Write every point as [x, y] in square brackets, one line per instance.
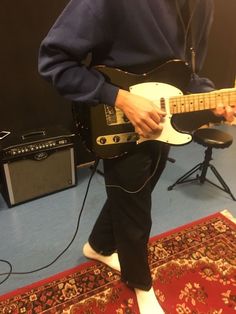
[200, 85]
[108, 94]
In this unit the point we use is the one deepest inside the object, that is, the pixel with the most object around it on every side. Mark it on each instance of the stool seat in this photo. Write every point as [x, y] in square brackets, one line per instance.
[212, 137]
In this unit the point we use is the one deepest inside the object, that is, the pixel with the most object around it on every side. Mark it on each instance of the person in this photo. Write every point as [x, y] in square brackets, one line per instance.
[134, 36]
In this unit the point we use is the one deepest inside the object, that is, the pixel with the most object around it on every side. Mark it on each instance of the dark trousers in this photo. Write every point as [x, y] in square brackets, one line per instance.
[125, 220]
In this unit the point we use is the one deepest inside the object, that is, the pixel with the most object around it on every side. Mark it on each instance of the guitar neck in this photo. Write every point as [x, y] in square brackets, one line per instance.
[202, 101]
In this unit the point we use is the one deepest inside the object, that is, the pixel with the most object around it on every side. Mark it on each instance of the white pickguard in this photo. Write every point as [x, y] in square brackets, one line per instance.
[155, 92]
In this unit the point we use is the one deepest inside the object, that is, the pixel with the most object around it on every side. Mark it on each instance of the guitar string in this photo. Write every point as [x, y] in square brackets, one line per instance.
[179, 101]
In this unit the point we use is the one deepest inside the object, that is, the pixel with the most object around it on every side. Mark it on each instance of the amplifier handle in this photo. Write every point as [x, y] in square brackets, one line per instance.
[33, 134]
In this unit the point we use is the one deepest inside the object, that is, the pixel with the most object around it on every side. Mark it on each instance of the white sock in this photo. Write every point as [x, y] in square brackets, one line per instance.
[147, 302]
[110, 260]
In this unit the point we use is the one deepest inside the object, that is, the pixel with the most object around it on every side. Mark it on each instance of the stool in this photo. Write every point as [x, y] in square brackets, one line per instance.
[210, 138]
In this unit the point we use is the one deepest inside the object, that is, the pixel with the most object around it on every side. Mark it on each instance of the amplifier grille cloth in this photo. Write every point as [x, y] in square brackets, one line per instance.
[28, 178]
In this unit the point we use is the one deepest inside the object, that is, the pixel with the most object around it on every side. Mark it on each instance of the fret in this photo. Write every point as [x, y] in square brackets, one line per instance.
[182, 105]
[202, 101]
[218, 99]
[196, 107]
[192, 103]
[173, 108]
[207, 101]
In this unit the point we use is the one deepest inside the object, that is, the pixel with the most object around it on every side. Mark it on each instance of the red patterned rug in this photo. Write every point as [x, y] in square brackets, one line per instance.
[193, 268]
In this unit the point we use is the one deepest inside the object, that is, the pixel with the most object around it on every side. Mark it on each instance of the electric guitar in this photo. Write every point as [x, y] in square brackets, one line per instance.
[108, 132]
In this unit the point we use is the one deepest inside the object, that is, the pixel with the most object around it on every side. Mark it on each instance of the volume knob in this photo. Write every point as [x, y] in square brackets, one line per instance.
[102, 140]
[116, 139]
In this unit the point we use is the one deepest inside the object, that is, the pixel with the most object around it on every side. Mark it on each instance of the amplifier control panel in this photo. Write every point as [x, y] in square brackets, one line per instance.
[34, 147]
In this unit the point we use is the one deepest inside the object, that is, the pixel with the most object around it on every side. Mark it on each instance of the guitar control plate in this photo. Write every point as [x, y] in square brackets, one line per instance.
[121, 138]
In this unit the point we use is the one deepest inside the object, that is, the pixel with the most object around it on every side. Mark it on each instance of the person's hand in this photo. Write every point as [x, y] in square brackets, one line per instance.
[228, 112]
[141, 112]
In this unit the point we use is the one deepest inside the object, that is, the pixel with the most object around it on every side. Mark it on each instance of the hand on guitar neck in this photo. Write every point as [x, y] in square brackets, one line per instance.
[146, 117]
[141, 112]
[228, 112]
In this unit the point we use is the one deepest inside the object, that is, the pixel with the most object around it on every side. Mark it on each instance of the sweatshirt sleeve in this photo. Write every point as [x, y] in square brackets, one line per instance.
[63, 50]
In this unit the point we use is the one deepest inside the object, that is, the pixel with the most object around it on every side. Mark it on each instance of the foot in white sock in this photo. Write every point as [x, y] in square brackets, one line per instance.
[110, 260]
[147, 302]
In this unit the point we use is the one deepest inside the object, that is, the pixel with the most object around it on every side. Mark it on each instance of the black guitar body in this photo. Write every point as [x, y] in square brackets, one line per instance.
[109, 140]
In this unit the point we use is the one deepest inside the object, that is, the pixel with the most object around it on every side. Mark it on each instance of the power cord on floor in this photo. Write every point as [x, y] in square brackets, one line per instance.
[6, 274]
[11, 272]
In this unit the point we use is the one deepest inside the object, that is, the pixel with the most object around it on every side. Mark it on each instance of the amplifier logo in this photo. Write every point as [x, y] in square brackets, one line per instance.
[41, 156]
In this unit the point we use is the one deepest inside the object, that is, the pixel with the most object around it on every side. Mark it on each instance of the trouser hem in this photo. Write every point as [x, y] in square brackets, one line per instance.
[136, 285]
[100, 251]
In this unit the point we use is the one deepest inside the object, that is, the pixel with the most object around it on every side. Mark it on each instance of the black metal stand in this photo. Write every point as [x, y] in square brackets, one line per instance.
[201, 178]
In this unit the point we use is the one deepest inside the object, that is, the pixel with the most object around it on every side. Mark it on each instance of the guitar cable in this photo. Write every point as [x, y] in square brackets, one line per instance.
[11, 272]
[142, 186]
[94, 170]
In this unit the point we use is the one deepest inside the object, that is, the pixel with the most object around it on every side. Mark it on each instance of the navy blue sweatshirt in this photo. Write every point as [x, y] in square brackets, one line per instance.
[118, 33]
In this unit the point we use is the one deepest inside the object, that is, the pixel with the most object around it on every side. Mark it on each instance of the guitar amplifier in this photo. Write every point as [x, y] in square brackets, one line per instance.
[35, 168]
